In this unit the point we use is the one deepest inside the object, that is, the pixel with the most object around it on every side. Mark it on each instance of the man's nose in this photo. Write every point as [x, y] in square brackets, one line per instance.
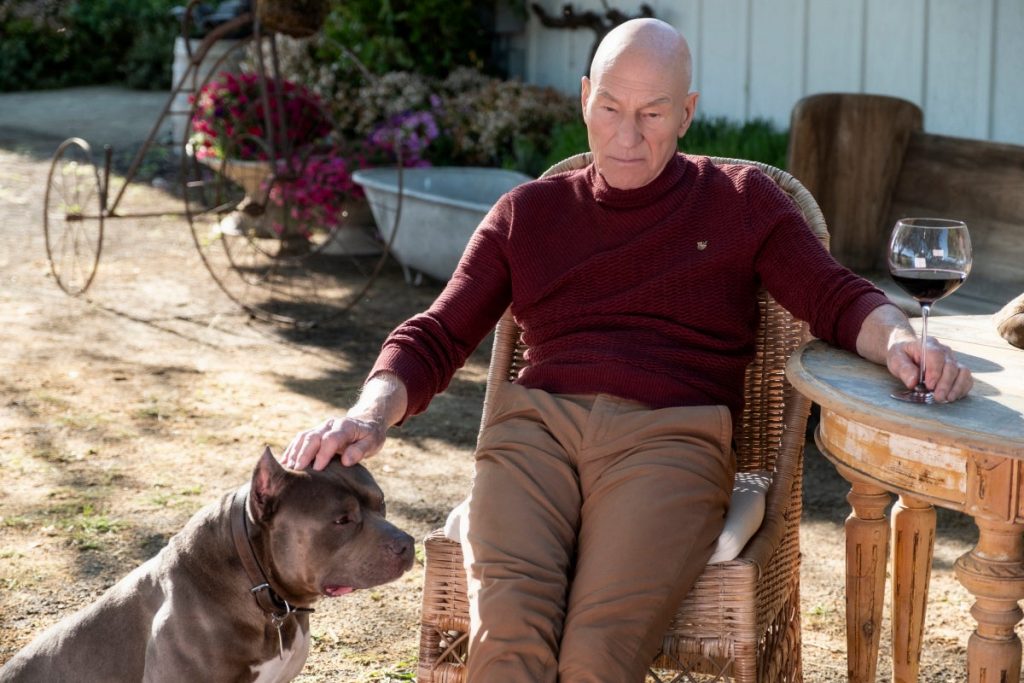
[628, 133]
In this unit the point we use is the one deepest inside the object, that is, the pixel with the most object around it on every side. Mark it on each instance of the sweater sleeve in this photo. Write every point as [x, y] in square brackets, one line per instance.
[426, 350]
[800, 273]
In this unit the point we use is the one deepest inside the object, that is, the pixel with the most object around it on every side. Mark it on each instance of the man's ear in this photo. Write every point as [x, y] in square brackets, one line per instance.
[267, 482]
[689, 112]
[584, 95]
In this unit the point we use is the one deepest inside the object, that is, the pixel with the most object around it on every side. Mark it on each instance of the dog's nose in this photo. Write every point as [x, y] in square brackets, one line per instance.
[401, 544]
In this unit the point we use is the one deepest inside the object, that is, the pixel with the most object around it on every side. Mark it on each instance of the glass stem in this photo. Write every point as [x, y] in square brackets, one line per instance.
[925, 310]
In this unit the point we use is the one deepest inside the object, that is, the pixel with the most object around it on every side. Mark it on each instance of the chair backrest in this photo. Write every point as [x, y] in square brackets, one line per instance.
[773, 410]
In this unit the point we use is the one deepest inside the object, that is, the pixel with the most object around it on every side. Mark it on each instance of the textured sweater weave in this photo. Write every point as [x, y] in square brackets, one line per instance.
[647, 294]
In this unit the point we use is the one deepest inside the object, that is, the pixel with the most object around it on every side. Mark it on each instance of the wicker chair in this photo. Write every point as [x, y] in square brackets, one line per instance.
[741, 621]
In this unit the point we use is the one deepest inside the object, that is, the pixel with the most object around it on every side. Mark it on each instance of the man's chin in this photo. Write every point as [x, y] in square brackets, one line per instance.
[625, 175]
[626, 181]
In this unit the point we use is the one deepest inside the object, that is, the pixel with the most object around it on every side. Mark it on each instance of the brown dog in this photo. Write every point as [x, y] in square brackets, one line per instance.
[229, 598]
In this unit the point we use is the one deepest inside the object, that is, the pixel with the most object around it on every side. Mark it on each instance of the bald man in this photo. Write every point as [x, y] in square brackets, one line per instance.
[603, 476]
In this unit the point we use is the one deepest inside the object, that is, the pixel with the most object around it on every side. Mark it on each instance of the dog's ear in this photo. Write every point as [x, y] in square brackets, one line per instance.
[267, 482]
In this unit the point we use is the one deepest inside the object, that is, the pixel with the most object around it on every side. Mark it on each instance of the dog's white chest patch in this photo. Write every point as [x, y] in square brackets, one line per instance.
[286, 667]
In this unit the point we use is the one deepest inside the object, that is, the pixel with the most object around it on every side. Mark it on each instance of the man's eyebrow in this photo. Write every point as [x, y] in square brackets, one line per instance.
[658, 101]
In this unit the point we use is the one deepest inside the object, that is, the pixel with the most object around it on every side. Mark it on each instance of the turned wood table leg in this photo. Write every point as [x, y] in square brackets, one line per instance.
[993, 572]
[913, 534]
[867, 548]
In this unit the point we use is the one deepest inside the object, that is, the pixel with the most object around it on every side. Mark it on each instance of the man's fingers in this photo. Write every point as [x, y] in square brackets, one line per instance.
[343, 438]
[306, 446]
[963, 385]
[352, 455]
[293, 453]
[904, 367]
[947, 378]
[323, 456]
[944, 375]
[339, 435]
[354, 439]
[358, 451]
[955, 383]
[910, 375]
[287, 455]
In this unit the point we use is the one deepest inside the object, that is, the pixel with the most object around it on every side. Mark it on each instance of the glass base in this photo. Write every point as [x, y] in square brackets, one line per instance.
[914, 396]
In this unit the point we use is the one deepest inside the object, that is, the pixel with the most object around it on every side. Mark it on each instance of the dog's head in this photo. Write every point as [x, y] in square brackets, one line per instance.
[324, 532]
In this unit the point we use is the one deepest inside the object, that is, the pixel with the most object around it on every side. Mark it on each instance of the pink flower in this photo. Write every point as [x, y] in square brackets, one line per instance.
[232, 106]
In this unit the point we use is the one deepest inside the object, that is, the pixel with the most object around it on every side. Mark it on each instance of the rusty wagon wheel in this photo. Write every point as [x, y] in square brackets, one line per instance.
[278, 267]
[73, 209]
[255, 234]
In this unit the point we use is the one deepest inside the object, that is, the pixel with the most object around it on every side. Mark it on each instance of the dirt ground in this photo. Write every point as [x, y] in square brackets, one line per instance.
[124, 412]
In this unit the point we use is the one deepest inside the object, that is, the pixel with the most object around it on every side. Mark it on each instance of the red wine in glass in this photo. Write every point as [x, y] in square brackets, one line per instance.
[929, 258]
[928, 285]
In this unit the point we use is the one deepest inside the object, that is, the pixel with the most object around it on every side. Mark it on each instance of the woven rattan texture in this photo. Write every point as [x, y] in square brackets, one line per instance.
[741, 620]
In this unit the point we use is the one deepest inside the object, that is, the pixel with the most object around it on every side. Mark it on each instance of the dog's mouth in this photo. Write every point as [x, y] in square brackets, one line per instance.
[333, 591]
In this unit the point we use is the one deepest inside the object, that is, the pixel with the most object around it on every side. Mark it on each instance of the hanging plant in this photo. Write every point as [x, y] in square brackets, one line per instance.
[297, 18]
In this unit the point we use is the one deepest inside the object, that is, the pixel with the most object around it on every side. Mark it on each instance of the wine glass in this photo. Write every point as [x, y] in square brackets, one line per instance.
[929, 258]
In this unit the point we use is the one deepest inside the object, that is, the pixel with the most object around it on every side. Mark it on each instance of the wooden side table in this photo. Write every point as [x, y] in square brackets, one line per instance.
[966, 456]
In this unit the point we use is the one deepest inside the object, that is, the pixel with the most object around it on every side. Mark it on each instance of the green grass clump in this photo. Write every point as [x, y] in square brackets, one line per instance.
[87, 529]
[757, 140]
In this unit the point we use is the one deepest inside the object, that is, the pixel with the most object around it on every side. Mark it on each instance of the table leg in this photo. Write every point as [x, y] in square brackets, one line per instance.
[867, 547]
[993, 572]
[913, 532]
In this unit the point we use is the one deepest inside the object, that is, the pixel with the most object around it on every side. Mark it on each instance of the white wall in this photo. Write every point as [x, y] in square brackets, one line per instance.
[962, 61]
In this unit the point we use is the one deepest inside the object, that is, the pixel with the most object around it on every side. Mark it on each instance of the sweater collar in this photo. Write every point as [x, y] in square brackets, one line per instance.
[667, 180]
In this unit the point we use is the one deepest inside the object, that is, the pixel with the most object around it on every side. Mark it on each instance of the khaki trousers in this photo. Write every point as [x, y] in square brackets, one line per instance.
[590, 519]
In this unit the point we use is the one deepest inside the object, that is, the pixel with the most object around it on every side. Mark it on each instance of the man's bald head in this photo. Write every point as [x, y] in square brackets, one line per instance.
[651, 40]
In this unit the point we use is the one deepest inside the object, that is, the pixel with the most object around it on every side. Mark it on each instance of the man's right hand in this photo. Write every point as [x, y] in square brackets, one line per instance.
[381, 404]
[350, 437]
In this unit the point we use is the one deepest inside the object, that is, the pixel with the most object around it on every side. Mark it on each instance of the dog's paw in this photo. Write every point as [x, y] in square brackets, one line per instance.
[1010, 322]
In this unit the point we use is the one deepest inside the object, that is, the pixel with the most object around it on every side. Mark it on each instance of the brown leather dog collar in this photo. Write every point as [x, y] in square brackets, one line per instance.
[276, 607]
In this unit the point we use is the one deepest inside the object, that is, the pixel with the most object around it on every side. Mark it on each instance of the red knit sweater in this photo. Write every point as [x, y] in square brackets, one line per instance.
[647, 294]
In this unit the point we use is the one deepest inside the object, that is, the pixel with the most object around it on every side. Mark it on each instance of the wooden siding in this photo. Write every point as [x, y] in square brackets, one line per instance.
[961, 61]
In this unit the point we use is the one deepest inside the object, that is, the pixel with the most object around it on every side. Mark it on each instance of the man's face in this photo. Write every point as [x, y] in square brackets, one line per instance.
[636, 109]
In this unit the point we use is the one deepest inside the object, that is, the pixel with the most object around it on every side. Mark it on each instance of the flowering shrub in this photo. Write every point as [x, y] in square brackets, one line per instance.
[480, 121]
[408, 134]
[230, 118]
[383, 99]
[319, 194]
[494, 122]
[318, 189]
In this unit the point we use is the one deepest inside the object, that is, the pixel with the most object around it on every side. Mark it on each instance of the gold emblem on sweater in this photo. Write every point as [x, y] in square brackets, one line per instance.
[702, 245]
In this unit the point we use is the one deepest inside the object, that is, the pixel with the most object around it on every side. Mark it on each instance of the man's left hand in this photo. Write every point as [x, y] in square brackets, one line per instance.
[944, 375]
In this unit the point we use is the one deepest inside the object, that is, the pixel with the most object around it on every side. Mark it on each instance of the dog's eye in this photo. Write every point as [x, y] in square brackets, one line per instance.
[344, 520]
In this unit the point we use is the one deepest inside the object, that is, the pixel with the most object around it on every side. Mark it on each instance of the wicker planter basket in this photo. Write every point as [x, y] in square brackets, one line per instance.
[253, 217]
[296, 18]
[252, 176]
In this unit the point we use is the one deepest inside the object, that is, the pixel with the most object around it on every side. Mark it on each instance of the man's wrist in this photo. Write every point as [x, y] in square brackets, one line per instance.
[884, 328]
[382, 401]
[901, 333]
